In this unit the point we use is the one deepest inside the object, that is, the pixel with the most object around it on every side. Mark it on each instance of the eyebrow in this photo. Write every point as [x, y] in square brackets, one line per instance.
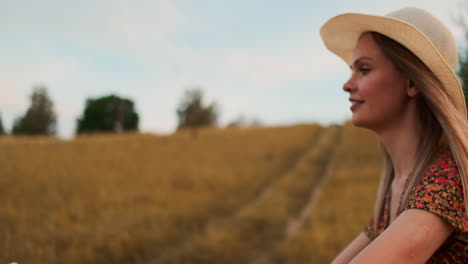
[359, 60]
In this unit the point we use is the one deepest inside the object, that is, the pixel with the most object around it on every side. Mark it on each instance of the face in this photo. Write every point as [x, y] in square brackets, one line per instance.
[379, 94]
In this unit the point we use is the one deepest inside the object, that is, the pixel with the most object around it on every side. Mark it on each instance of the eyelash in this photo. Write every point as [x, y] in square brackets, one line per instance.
[364, 70]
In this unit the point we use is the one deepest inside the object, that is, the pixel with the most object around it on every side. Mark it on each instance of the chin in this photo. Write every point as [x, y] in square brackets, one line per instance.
[361, 122]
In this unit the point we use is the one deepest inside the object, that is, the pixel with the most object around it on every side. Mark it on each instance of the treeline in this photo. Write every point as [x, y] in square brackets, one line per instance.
[115, 114]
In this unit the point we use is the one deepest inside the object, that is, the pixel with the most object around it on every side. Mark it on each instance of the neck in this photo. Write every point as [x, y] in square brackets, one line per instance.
[401, 139]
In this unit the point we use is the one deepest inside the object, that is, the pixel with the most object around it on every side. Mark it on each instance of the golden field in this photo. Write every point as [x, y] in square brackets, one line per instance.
[291, 194]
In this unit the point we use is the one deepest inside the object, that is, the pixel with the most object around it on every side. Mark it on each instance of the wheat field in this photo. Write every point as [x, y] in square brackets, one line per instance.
[285, 194]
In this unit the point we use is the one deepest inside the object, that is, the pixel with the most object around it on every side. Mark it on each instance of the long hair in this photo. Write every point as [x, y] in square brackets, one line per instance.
[443, 126]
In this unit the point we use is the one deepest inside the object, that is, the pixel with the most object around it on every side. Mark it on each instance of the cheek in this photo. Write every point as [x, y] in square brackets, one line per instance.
[383, 96]
[373, 91]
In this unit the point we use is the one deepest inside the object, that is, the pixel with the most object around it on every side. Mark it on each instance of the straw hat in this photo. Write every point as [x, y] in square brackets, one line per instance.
[416, 29]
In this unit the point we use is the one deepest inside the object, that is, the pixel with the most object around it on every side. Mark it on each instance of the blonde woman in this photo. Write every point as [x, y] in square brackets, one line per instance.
[403, 86]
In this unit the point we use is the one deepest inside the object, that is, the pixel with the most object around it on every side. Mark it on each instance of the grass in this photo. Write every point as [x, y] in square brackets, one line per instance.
[345, 204]
[197, 196]
[255, 230]
[127, 198]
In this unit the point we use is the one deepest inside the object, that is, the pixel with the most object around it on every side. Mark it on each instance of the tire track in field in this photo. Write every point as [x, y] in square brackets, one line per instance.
[295, 225]
[266, 188]
[259, 227]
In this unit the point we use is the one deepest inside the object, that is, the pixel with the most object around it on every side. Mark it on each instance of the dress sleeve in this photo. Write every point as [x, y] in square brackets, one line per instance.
[440, 191]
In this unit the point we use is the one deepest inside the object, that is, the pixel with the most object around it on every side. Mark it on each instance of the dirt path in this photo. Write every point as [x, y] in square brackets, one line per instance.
[268, 188]
[220, 222]
[295, 225]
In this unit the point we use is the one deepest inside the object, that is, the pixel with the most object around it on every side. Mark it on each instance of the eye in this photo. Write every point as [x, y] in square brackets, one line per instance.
[364, 70]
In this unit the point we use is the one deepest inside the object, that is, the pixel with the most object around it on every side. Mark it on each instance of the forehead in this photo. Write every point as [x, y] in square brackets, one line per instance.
[367, 47]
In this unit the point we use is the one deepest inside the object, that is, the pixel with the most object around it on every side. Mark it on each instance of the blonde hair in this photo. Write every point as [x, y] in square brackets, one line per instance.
[443, 126]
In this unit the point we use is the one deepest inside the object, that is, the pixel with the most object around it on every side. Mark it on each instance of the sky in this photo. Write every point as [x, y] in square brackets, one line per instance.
[261, 59]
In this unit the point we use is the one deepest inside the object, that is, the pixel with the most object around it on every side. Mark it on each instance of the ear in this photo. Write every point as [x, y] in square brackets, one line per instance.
[411, 89]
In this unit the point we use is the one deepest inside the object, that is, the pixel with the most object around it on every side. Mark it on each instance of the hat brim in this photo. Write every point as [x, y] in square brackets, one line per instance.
[341, 34]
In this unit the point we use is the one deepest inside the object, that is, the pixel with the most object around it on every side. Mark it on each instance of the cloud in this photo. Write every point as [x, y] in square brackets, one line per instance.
[269, 70]
[151, 51]
[18, 77]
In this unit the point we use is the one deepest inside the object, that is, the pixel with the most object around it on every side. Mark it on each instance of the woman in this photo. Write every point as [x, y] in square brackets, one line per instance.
[403, 87]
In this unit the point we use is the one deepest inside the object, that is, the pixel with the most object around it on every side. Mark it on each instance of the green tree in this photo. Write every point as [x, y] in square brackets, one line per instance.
[463, 73]
[40, 118]
[192, 113]
[2, 130]
[462, 21]
[108, 114]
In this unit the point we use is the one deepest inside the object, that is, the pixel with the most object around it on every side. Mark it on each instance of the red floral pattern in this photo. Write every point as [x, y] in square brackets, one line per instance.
[439, 191]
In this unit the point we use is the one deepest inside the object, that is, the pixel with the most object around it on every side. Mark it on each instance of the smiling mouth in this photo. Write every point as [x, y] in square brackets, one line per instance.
[355, 104]
[356, 101]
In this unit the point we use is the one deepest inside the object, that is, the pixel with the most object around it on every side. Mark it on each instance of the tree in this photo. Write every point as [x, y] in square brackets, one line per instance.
[108, 114]
[243, 122]
[463, 74]
[462, 21]
[40, 118]
[2, 130]
[192, 113]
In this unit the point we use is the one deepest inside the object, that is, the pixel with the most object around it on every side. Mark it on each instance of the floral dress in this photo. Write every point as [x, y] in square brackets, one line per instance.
[438, 191]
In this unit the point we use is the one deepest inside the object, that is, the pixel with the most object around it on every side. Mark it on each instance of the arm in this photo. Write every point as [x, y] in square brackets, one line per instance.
[412, 238]
[358, 244]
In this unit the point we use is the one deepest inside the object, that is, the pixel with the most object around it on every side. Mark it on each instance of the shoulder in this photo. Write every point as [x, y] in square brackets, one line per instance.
[440, 191]
[441, 177]
[443, 170]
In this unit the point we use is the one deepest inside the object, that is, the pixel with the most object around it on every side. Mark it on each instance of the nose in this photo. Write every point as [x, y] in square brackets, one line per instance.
[349, 85]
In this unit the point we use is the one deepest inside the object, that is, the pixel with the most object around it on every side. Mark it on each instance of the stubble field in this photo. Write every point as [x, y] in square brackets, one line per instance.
[292, 194]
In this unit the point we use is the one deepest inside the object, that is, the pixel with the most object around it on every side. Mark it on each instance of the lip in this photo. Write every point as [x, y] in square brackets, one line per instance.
[355, 106]
[355, 103]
